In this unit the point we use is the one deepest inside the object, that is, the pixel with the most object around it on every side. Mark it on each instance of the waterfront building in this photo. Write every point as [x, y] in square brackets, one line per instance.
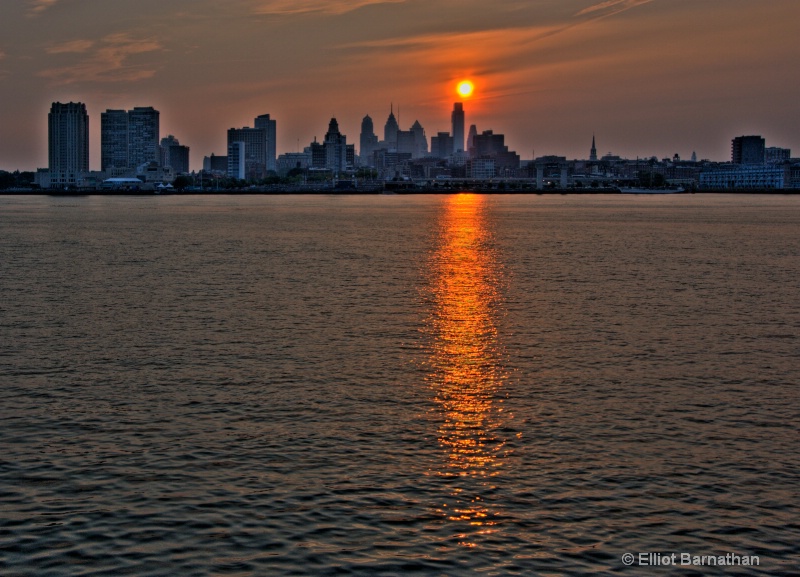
[747, 150]
[143, 136]
[68, 144]
[747, 176]
[269, 126]
[457, 120]
[481, 168]
[775, 155]
[114, 141]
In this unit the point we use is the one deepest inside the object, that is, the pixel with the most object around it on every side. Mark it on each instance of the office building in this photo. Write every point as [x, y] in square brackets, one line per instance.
[457, 118]
[174, 155]
[441, 145]
[268, 125]
[237, 163]
[390, 130]
[368, 141]
[254, 155]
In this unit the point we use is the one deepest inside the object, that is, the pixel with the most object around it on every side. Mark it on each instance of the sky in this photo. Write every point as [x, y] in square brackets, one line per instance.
[646, 77]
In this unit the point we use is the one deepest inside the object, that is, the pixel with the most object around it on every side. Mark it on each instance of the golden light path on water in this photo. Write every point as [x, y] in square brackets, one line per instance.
[466, 372]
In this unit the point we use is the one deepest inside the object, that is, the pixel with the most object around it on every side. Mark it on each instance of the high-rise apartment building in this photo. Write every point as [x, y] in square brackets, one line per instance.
[114, 140]
[268, 125]
[68, 142]
[143, 136]
[457, 118]
[748, 150]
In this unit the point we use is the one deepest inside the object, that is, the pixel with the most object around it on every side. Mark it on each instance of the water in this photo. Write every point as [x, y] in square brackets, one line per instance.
[442, 385]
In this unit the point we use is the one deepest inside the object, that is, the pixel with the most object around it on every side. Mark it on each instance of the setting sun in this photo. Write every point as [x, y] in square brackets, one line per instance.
[465, 88]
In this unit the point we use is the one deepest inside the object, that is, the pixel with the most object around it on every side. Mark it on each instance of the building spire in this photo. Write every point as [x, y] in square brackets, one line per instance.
[593, 152]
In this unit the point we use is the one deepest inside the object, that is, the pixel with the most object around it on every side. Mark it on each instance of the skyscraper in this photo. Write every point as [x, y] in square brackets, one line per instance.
[335, 148]
[457, 118]
[265, 123]
[174, 155]
[113, 140]
[68, 141]
[473, 132]
[420, 140]
[143, 136]
[369, 140]
[390, 130]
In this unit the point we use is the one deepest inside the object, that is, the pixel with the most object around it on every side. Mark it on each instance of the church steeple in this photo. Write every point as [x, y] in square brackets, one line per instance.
[593, 152]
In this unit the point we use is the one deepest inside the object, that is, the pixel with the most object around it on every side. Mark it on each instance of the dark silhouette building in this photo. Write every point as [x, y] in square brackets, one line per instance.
[748, 150]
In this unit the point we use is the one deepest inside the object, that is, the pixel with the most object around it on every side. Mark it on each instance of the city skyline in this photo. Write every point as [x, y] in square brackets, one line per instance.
[646, 77]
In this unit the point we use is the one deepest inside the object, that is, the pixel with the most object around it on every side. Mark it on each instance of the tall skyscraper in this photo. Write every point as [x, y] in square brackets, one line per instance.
[68, 141]
[748, 150]
[268, 125]
[420, 140]
[390, 130]
[113, 140]
[143, 136]
[473, 132]
[368, 142]
[335, 148]
[457, 118]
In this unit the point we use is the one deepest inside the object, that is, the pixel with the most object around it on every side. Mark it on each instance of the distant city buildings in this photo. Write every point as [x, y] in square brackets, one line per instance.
[131, 149]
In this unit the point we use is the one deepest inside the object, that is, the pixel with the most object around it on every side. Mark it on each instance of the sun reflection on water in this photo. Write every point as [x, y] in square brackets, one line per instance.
[466, 373]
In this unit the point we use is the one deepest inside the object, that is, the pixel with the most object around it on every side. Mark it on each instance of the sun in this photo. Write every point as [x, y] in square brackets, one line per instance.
[465, 88]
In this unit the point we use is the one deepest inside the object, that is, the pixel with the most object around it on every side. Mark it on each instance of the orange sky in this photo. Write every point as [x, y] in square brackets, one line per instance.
[648, 77]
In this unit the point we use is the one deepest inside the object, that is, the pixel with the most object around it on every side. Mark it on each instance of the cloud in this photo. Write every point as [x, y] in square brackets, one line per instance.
[288, 7]
[78, 46]
[39, 6]
[106, 60]
[613, 6]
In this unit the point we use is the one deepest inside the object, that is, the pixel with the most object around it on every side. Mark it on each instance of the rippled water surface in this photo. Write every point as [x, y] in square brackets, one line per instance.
[392, 385]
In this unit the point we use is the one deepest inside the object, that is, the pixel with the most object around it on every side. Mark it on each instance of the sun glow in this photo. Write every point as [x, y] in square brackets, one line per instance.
[465, 88]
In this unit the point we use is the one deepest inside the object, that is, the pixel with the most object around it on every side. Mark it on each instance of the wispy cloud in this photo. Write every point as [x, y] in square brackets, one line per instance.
[613, 6]
[77, 46]
[39, 6]
[106, 60]
[287, 7]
